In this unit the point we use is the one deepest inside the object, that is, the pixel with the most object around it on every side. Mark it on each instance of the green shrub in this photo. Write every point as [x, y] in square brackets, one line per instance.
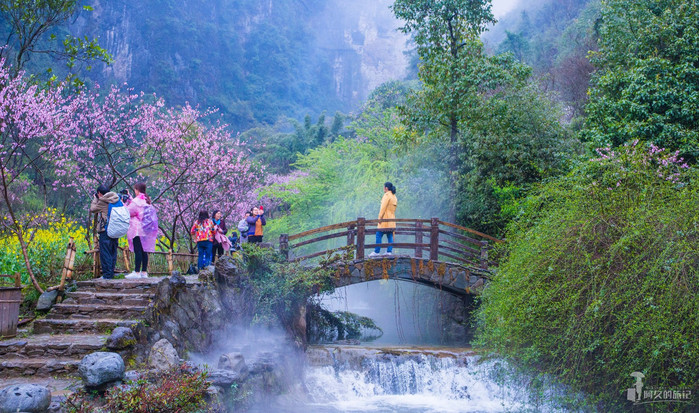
[181, 390]
[46, 247]
[282, 287]
[600, 277]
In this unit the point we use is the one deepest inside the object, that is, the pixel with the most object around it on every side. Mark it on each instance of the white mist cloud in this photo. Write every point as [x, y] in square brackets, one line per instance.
[502, 7]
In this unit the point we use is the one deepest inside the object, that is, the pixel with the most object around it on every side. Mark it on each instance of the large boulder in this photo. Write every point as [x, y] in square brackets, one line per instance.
[99, 369]
[47, 300]
[234, 362]
[163, 356]
[24, 398]
[206, 274]
[177, 280]
[121, 338]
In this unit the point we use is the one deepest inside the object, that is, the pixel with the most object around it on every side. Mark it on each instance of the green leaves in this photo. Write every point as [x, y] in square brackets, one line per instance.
[647, 83]
[600, 278]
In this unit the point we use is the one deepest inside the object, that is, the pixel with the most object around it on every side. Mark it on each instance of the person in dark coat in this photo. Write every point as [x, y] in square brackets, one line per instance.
[219, 226]
[107, 245]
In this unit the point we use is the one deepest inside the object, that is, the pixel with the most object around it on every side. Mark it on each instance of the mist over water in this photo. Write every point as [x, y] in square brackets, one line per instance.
[408, 313]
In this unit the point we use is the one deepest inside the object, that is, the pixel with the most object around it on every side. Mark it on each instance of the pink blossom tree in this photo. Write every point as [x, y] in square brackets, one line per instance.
[32, 122]
[120, 139]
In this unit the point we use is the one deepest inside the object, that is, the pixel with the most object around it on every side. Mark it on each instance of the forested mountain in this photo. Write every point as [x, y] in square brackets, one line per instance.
[554, 38]
[255, 60]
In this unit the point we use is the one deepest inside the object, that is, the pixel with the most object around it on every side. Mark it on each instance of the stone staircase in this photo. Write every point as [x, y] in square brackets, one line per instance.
[78, 326]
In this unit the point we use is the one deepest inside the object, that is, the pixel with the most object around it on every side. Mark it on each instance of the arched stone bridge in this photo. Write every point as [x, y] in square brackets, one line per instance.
[458, 261]
[454, 278]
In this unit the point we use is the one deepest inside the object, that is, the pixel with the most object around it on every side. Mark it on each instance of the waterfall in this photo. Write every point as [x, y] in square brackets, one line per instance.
[409, 380]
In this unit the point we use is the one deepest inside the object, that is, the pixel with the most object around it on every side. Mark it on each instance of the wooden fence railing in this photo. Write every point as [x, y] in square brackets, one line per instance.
[431, 238]
[159, 262]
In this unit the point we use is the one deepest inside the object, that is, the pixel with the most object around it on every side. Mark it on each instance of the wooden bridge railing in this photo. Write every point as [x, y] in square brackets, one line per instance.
[432, 239]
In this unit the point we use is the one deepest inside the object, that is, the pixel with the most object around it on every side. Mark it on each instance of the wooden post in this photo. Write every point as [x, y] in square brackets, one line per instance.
[66, 262]
[418, 239]
[67, 272]
[484, 255]
[126, 251]
[361, 225]
[96, 267]
[434, 240]
[284, 245]
[351, 231]
[170, 262]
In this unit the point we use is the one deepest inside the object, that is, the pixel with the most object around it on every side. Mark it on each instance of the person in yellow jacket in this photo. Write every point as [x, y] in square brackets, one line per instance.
[389, 202]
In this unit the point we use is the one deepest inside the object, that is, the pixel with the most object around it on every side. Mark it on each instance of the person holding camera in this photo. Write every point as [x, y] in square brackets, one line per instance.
[101, 201]
[255, 223]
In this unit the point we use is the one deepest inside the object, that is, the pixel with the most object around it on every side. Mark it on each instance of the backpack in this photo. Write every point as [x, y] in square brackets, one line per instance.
[149, 222]
[243, 227]
[118, 220]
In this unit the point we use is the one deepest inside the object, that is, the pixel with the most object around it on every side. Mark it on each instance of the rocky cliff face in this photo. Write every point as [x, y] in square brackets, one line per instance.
[255, 60]
[365, 46]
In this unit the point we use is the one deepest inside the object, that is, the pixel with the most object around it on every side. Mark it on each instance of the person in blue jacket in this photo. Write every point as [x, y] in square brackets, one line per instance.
[255, 223]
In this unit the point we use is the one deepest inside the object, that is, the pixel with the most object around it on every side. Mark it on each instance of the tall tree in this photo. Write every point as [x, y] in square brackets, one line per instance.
[32, 123]
[447, 36]
[29, 22]
[647, 83]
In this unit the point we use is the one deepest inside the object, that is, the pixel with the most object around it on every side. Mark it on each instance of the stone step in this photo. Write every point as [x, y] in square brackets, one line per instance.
[138, 286]
[51, 346]
[77, 326]
[94, 311]
[91, 297]
[14, 367]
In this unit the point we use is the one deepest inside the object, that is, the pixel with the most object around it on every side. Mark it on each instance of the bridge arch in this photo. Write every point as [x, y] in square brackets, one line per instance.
[453, 278]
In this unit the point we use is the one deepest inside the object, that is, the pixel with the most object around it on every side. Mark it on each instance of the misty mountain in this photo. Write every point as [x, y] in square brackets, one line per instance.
[255, 60]
[554, 37]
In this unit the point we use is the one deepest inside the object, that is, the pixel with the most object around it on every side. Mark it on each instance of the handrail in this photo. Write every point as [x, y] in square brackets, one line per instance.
[321, 229]
[472, 231]
[467, 250]
[15, 277]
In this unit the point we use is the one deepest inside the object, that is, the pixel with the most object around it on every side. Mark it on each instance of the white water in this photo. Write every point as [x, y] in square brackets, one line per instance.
[421, 381]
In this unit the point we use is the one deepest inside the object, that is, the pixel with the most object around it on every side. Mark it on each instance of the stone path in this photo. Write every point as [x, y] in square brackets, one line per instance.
[78, 326]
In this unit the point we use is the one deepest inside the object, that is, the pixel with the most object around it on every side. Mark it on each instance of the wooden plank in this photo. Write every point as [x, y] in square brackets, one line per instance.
[401, 245]
[316, 254]
[459, 259]
[405, 220]
[463, 237]
[472, 231]
[321, 229]
[460, 246]
[318, 239]
[456, 250]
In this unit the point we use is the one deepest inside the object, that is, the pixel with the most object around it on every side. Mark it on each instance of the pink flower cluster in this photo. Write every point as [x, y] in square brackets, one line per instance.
[668, 165]
[119, 138]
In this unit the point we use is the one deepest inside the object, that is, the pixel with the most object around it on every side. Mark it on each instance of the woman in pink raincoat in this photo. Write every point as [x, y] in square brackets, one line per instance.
[141, 240]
